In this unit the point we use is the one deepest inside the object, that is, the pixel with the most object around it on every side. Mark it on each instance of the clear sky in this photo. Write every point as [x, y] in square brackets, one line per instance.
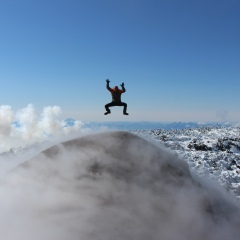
[179, 59]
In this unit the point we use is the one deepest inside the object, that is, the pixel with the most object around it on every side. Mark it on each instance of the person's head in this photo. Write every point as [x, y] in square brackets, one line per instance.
[116, 88]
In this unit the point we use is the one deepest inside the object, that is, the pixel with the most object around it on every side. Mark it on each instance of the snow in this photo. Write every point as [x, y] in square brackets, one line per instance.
[212, 152]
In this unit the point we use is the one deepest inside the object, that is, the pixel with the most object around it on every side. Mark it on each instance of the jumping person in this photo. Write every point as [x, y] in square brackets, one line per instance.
[116, 98]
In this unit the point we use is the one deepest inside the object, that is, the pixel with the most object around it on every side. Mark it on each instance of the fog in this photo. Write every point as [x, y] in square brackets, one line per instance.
[112, 185]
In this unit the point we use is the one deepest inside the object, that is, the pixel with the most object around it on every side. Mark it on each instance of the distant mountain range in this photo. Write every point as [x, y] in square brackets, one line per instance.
[148, 125]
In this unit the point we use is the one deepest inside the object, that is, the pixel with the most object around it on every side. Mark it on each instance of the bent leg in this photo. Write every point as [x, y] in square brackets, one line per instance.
[107, 106]
[124, 107]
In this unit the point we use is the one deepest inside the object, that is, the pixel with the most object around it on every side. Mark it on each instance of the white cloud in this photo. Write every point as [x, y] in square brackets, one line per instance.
[26, 126]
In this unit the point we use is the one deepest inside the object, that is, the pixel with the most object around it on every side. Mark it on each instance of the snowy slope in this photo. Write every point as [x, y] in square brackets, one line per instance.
[209, 151]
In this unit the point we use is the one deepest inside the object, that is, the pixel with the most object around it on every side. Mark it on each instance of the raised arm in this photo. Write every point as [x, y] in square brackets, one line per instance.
[108, 88]
[123, 88]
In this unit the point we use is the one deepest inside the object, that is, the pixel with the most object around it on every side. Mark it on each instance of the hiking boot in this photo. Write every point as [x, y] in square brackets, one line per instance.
[106, 113]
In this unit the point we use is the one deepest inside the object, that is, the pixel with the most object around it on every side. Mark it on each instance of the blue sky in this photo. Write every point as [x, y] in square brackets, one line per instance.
[179, 59]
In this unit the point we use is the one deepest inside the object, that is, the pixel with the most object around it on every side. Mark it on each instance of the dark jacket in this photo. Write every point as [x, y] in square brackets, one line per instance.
[116, 94]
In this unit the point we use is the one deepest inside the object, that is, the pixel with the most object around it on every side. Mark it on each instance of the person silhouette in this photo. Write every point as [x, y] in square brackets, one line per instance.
[116, 98]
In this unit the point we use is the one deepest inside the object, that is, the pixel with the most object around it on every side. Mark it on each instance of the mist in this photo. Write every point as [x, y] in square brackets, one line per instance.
[112, 185]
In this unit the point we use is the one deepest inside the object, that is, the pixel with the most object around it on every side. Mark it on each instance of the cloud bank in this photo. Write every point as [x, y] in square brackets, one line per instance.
[108, 186]
[26, 126]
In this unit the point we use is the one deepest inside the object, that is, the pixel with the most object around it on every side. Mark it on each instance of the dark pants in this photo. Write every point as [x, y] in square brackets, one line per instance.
[119, 104]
